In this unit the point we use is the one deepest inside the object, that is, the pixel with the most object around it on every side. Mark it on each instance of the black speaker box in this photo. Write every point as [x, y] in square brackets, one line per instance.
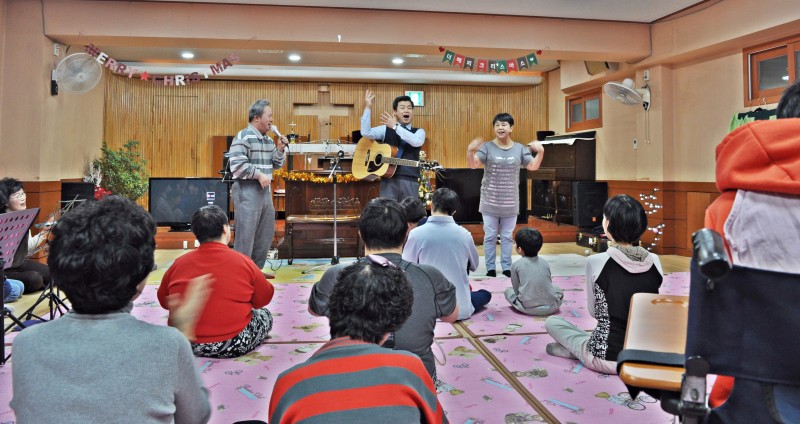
[588, 199]
[552, 200]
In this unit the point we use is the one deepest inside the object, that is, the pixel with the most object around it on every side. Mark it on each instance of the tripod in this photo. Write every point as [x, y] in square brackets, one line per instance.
[333, 175]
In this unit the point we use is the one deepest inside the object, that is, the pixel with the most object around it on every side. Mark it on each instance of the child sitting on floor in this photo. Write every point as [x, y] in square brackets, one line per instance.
[612, 278]
[532, 291]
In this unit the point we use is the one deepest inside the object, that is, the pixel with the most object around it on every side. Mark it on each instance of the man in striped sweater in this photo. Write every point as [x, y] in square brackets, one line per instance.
[352, 379]
[253, 156]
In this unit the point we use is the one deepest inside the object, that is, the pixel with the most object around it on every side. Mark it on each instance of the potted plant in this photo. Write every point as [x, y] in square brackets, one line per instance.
[122, 171]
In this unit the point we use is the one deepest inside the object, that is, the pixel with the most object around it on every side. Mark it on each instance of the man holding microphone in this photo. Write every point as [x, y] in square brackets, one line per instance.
[253, 156]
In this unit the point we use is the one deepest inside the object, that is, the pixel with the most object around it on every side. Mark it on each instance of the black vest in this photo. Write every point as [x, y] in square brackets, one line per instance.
[409, 152]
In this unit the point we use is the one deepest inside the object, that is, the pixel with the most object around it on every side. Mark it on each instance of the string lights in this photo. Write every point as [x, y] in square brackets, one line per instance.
[314, 178]
[650, 201]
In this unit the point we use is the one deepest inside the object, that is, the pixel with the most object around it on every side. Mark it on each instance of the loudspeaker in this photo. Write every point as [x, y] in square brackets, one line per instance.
[588, 199]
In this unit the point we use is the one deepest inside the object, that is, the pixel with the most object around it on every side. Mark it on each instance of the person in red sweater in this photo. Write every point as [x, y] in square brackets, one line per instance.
[235, 319]
[758, 176]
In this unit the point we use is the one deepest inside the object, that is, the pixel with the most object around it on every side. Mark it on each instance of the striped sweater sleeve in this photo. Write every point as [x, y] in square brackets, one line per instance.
[239, 159]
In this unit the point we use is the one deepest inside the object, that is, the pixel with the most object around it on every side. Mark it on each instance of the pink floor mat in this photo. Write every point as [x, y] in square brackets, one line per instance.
[676, 283]
[571, 392]
[499, 317]
[472, 391]
[239, 389]
[289, 306]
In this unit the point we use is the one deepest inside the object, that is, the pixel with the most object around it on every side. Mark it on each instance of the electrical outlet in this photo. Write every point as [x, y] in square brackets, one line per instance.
[646, 75]
[635, 144]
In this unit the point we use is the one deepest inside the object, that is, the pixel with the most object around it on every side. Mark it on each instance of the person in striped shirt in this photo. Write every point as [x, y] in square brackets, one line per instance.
[253, 156]
[356, 377]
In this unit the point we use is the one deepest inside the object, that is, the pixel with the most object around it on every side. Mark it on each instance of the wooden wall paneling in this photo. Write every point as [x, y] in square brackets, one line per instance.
[681, 240]
[696, 204]
[174, 148]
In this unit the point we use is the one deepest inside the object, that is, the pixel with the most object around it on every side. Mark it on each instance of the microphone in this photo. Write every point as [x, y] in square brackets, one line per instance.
[274, 129]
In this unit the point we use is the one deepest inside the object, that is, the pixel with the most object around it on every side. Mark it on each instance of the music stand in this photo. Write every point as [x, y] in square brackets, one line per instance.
[13, 228]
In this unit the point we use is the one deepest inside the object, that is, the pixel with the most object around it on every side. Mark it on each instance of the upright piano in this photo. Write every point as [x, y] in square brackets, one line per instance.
[568, 159]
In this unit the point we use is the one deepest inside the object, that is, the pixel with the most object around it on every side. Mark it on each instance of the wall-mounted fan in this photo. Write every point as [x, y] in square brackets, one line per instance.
[626, 93]
[78, 73]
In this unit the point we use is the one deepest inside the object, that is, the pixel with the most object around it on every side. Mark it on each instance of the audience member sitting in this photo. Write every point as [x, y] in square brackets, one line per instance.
[449, 247]
[612, 278]
[12, 290]
[416, 213]
[383, 228]
[758, 178]
[235, 319]
[34, 276]
[98, 363]
[532, 291]
[352, 378]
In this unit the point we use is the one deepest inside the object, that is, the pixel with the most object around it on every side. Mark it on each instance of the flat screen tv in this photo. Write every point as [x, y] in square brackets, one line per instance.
[467, 183]
[173, 201]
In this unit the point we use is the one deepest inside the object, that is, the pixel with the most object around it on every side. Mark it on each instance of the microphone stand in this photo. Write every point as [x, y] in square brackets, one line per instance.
[335, 258]
[334, 165]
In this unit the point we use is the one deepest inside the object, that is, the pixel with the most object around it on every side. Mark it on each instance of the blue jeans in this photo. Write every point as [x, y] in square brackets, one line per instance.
[506, 225]
[480, 298]
[12, 290]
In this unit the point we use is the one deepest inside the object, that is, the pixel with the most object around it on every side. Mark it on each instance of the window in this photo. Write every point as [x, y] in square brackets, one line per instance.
[584, 111]
[769, 69]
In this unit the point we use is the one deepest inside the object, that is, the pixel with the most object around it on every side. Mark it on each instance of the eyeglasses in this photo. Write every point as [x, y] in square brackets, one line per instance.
[380, 260]
[19, 195]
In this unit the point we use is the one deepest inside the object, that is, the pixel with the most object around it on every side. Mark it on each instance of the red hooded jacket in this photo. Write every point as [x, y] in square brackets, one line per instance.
[761, 156]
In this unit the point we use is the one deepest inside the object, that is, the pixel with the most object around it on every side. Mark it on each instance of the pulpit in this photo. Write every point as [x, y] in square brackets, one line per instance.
[309, 216]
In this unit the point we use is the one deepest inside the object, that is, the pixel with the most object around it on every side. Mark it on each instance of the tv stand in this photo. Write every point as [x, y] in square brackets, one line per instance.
[180, 228]
[166, 239]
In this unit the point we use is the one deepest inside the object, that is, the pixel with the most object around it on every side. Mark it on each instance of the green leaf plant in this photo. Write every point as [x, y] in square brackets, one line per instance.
[123, 170]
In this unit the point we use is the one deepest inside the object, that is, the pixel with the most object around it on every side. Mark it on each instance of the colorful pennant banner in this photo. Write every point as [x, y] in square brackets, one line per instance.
[488, 65]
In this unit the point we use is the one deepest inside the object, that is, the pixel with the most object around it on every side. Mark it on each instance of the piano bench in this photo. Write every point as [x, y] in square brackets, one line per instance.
[347, 223]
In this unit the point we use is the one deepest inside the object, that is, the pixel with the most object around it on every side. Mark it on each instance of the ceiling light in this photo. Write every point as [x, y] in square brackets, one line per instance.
[187, 55]
[294, 57]
[397, 61]
[413, 55]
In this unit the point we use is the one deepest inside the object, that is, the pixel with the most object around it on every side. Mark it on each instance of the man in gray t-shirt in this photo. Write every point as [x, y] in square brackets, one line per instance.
[383, 228]
[501, 159]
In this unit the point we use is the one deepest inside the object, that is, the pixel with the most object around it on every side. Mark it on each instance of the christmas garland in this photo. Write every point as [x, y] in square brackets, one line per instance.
[314, 178]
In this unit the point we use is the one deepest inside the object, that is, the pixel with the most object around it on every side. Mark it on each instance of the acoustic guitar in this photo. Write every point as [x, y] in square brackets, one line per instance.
[373, 160]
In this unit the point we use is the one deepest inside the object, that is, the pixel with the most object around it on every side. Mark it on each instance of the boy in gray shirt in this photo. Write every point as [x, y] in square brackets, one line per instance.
[532, 291]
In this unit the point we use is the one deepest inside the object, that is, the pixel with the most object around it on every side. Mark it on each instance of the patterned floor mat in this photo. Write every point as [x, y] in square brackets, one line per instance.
[499, 317]
[472, 391]
[289, 306]
[569, 391]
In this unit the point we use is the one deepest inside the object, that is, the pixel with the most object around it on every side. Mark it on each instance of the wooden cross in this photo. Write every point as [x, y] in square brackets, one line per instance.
[323, 110]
